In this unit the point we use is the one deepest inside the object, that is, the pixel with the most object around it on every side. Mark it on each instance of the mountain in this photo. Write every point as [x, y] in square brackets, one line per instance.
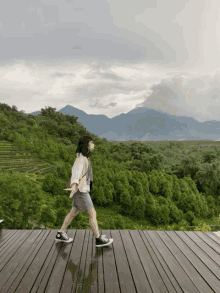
[144, 124]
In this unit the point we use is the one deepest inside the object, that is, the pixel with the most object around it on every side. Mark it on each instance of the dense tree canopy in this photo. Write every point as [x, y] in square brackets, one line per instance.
[138, 177]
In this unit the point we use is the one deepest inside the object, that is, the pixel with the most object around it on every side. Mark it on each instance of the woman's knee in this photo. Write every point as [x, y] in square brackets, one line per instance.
[73, 211]
[92, 213]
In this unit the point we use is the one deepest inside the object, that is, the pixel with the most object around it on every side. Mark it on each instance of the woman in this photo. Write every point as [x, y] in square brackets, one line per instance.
[82, 171]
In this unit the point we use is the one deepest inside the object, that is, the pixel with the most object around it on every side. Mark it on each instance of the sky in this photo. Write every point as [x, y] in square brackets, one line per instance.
[111, 56]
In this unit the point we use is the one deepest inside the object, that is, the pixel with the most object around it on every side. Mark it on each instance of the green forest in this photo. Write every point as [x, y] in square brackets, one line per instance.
[172, 185]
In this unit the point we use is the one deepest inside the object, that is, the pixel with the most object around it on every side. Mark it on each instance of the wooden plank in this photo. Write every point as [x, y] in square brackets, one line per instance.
[21, 261]
[186, 259]
[39, 261]
[70, 265]
[87, 289]
[88, 270]
[96, 256]
[166, 275]
[5, 236]
[110, 273]
[178, 272]
[217, 233]
[34, 290]
[200, 260]
[137, 261]
[100, 271]
[213, 258]
[131, 260]
[209, 241]
[9, 249]
[154, 281]
[213, 236]
[124, 275]
[73, 265]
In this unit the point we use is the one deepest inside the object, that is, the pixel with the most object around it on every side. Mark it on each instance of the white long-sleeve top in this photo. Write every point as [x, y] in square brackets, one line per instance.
[80, 167]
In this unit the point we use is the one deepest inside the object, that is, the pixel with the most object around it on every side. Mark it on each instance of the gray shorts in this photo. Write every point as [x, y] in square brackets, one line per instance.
[82, 201]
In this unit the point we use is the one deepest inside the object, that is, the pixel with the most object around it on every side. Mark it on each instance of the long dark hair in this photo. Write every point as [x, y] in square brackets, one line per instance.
[83, 145]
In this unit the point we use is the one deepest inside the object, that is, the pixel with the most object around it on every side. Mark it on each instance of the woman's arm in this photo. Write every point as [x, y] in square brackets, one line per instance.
[80, 168]
[77, 170]
[73, 185]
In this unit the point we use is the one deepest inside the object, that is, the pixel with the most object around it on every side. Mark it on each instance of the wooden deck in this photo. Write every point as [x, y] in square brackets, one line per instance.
[137, 261]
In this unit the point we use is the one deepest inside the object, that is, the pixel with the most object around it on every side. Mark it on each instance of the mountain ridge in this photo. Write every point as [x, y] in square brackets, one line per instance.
[144, 123]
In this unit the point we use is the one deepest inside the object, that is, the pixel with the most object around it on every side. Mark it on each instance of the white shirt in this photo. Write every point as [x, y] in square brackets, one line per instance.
[80, 167]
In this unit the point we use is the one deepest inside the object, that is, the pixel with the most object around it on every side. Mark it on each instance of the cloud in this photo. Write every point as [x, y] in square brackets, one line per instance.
[193, 97]
[106, 57]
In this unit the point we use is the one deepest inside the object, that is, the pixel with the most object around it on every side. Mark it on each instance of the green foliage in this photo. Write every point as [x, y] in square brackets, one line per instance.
[100, 198]
[108, 194]
[125, 201]
[176, 189]
[161, 200]
[204, 228]
[139, 191]
[138, 207]
[118, 190]
[190, 217]
[217, 205]
[153, 186]
[137, 176]
[46, 215]
[190, 165]
[165, 186]
[191, 184]
[48, 183]
[80, 222]
[149, 199]
[165, 214]
[119, 223]
[176, 215]
[211, 205]
[192, 202]
[131, 190]
[19, 197]
[160, 215]
[61, 202]
[111, 224]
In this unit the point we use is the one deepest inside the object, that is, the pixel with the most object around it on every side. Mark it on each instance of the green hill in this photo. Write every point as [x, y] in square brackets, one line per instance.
[137, 185]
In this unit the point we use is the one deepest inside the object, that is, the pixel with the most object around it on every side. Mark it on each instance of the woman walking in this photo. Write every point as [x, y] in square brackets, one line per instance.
[80, 185]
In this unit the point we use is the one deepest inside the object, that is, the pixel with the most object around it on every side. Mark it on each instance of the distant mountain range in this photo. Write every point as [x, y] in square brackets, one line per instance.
[144, 124]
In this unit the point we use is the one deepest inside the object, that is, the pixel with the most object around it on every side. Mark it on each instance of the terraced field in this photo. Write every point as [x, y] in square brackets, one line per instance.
[22, 162]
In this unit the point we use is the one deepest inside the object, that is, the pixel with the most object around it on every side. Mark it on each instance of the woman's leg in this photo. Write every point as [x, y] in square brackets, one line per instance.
[93, 221]
[68, 219]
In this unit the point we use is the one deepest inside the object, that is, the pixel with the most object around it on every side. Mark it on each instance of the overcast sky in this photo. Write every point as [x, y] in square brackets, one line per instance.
[111, 56]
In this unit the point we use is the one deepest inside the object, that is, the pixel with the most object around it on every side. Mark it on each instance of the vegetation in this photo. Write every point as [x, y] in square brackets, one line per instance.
[147, 186]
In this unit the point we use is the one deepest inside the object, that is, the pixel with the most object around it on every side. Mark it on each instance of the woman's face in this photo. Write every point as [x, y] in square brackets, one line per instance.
[91, 146]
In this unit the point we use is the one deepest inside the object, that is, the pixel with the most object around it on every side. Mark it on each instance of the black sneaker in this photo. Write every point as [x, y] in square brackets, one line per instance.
[103, 241]
[62, 237]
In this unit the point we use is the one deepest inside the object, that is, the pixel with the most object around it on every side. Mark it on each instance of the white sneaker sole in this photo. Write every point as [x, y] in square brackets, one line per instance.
[107, 244]
[64, 241]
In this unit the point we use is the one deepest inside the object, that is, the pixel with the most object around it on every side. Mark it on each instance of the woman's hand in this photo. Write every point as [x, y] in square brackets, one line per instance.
[73, 188]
